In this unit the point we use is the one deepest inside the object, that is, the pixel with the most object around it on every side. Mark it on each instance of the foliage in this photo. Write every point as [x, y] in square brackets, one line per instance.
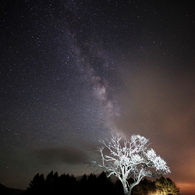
[166, 186]
[92, 184]
[66, 184]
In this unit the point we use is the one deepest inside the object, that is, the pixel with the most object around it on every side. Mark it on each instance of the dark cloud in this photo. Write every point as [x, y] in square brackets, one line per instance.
[68, 155]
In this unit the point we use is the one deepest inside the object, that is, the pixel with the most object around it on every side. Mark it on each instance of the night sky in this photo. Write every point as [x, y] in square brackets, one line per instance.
[75, 71]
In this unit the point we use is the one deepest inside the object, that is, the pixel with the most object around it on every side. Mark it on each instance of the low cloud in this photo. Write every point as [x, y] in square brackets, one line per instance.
[68, 155]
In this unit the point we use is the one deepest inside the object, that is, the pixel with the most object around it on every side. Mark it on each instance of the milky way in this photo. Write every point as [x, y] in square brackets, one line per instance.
[73, 72]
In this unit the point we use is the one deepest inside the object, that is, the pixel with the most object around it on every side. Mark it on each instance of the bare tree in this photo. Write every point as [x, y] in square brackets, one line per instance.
[132, 159]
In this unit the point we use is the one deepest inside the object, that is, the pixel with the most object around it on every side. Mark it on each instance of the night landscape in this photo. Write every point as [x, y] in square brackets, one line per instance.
[74, 72]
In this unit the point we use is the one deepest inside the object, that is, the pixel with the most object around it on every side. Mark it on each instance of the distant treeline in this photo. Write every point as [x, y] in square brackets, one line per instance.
[95, 185]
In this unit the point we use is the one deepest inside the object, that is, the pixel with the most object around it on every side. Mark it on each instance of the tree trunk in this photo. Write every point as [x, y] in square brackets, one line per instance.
[125, 188]
[128, 188]
[128, 192]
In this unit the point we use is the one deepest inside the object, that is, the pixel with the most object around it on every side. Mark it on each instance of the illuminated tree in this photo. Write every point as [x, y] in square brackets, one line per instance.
[132, 159]
[166, 186]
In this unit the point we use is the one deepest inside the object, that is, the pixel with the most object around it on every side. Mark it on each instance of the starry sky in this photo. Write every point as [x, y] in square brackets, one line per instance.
[75, 71]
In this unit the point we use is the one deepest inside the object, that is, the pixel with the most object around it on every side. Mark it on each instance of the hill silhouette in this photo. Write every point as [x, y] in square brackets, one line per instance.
[9, 191]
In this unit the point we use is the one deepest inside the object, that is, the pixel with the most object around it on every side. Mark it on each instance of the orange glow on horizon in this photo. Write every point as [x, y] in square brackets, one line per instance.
[188, 188]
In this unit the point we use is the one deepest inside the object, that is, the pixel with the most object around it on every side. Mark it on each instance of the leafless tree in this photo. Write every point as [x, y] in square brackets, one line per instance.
[132, 159]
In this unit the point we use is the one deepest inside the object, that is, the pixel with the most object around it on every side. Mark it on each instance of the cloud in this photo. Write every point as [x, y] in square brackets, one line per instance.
[68, 155]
